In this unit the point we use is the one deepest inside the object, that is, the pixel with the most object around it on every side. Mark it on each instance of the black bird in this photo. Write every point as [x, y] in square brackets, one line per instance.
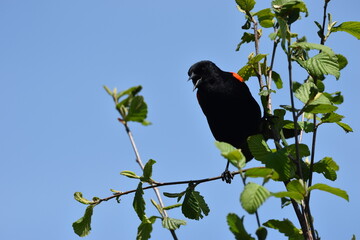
[231, 111]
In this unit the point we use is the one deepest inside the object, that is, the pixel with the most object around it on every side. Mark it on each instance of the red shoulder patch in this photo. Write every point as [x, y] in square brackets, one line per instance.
[237, 76]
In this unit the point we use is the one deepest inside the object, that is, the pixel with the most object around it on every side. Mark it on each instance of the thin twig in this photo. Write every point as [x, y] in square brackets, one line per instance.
[138, 160]
[158, 184]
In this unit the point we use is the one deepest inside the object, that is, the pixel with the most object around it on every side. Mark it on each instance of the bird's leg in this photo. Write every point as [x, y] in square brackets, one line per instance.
[226, 175]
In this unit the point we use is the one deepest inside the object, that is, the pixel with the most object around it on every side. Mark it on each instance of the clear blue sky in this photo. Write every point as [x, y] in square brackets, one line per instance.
[59, 132]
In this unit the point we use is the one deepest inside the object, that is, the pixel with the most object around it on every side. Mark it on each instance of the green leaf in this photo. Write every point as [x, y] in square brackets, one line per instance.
[246, 38]
[287, 227]
[344, 126]
[351, 27]
[335, 98]
[157, 206]
[148, 171]
[174, 195]
[253, 196]
[172, 223]
[309, 46]
[108, 90]
[303, 150]
[262, 172]
[79, 197]
[82, 226]
[265, 18]
[258, 147]
[232, 154]
[137, 110]
[277, 80]
[130, 174]
[321, 64]
[342, 61]
[194, 205]
[145, 228]
[139, 203]
[131, 92]
[320, 108]
[297, 186]
[326, 188]
[306, 92]
[172, 206]
[328, 167]
[256, 59]
[294, 195]
[281, 164]
[331, 118]
[236, 226]
[246, 72]
[305, 126]
[246, 5]
[261, 233]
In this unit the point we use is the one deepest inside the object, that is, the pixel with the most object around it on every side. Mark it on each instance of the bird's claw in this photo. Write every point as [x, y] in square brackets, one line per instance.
[227, 176]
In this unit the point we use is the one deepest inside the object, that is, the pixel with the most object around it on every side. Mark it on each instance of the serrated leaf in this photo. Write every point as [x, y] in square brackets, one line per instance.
[232, 154]
[253, 196]
[148, 171]
[145, 228]
[236, 226]
[287, 227]
[258, 147]
[194, 205]
[306, 92]
[139, 202]
[262, 172]
[281, 164]
[130, 174]
[350, 27]
[172, 223]
[336, 191]
[309, 46]
[328, 167]
[321, 64]
[82, 226]
[344, 126]
[79, 197]
[137, 110]
[246, 5]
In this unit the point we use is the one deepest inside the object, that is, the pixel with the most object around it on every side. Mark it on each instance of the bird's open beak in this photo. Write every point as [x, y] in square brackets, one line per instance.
[196, 84]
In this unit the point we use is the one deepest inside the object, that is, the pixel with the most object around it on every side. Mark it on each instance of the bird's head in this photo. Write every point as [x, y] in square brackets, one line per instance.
[201, 72]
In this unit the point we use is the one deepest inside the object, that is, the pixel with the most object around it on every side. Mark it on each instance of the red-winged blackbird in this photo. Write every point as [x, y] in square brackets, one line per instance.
[231, 111]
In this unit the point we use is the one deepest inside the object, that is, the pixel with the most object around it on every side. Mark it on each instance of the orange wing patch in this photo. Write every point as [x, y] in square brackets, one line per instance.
[237, 76]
